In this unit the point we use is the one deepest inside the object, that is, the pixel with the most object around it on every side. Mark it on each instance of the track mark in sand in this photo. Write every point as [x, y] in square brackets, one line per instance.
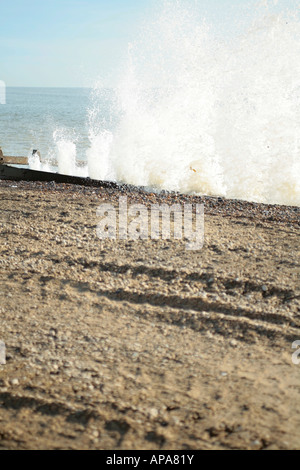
[220, 324]
[119, 426]
[72, 416]
[49, 408]
[183, 303]
[9, 400]
[228, 283]
[197, 314]
[82, 416]
[158, 439]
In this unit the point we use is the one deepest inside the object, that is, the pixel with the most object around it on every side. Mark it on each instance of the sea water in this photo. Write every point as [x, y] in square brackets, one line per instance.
[193, 111]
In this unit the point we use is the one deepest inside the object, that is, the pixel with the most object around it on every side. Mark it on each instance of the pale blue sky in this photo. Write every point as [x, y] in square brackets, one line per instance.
[72, 42]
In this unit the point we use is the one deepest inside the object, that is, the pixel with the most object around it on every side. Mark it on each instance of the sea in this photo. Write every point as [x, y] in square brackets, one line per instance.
[189, 111]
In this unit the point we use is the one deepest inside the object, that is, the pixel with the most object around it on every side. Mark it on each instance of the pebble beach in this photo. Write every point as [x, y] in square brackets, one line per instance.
[142, 344]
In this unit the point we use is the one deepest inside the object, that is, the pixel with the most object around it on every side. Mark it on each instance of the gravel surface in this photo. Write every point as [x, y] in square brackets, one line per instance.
[122, 344]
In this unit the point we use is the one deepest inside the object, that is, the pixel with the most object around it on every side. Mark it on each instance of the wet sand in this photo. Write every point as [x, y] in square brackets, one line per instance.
[122, 344]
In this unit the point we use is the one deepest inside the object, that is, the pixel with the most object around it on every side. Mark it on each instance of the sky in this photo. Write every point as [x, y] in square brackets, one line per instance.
[70, 43]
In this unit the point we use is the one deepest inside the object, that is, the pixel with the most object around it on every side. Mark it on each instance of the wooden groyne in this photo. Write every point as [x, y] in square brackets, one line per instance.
[8, 171]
